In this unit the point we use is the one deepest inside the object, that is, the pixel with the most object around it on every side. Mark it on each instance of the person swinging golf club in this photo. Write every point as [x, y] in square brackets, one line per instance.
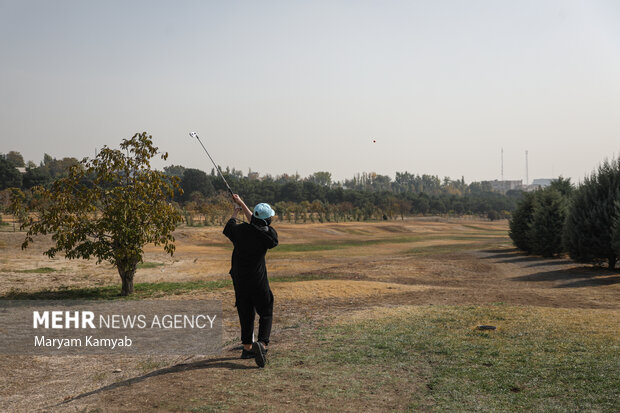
[249, 274]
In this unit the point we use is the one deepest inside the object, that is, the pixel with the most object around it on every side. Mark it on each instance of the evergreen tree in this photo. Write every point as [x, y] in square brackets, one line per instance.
[521, 222]
[593, 215]
[615, 234]
[548, 217]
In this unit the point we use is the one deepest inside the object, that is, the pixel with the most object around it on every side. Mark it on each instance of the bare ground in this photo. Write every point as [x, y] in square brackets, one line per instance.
[416, 262]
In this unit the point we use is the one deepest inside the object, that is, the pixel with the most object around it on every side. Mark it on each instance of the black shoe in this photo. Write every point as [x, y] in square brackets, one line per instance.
[259, 353]
[247, 354]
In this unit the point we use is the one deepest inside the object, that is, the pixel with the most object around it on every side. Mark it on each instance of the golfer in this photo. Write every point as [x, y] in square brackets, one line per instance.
[249, 274]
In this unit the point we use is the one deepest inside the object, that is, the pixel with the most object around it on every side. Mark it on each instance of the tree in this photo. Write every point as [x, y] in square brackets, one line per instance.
[126, 207]
[521, 222]
[493, 215]
[589, 229]
[196, 180]
[174, 170]
[15, 158]
[321, 178]
[548, 217]
[38, 176]
[9, 176]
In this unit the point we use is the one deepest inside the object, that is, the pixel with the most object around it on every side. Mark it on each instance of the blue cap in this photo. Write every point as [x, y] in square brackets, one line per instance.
[263, 211]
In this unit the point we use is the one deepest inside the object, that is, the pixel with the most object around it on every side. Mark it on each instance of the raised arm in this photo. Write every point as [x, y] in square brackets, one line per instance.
[246, 211]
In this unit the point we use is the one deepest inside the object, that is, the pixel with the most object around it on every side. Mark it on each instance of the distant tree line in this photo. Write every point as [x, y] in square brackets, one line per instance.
[366, 196]
[316, 198]
[583, 222]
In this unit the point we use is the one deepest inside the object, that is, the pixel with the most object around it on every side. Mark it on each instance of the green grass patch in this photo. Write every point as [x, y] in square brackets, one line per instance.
[485, 229]
[112, 292]
[431, 358]
[537, 360]
[306, 247]
[141, 290]
[41, 270]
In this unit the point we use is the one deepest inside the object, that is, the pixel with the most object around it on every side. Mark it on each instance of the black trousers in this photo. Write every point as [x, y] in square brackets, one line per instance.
[250, 302]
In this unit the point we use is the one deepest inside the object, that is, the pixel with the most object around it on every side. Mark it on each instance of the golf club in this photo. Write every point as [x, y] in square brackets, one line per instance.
[195, 135]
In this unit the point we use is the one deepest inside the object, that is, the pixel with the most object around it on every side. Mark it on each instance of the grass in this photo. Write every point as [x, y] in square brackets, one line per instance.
[538, 359]
[485, 229]
[141, 290]
[148, 264]
[333, 245]
[41, 270]
[442, 249]
[431, 358]
[112, 292]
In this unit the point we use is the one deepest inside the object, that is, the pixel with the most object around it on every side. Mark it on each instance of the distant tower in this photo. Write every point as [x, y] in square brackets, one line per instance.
[502, 164]
[527, 172]
[503, 187]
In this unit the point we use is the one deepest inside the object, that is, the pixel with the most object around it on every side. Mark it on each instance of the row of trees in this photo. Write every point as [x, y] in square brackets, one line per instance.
[216, 209]
[43, 174]
[583, 222]
[366, 196]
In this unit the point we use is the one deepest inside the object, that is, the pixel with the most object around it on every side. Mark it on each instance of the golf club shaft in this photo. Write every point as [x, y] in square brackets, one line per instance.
[216, 167]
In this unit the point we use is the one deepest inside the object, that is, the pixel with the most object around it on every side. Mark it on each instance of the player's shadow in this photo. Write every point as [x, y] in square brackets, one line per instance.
[222, 362]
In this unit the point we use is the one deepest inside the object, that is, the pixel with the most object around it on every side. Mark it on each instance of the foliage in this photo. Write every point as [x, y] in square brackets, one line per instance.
[549, 214]
[521, 222]
[591, 230]
[15, 158]
[195, 180]
[9, 176]
[538, 222]
[112, 217]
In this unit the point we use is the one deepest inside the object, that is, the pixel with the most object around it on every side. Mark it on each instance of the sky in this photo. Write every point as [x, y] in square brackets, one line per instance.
[304, 86]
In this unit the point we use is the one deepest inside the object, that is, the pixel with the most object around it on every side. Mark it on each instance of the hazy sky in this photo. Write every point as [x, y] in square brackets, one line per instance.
[286, 86]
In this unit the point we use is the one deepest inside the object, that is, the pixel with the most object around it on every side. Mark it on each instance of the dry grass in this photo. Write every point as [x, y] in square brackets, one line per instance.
[405, 272]
[324, 289]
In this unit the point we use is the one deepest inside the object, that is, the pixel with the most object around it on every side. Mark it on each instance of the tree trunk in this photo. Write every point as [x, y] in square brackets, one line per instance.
[612, 262]
[127, 272]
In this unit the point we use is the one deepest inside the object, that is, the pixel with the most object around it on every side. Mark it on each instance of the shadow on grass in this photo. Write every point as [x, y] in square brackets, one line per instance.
[525, 258]
[143, 290]
[502, 255]
[574, 277]
[503, 251]
[550, 262]
[112, 292]
[223, 362]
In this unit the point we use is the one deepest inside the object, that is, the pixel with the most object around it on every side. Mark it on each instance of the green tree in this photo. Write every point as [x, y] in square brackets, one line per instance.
[174, 170]
[126, 207]
[321, 178]
[15, 158]
[196, 180]
[9, 176]
[548, 217]
[563, 186]
[38, 176]
[493, 215]
[589, 229]
[521, 222]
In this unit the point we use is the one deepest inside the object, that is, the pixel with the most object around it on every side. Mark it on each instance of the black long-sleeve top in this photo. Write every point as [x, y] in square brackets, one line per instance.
[251, 243]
